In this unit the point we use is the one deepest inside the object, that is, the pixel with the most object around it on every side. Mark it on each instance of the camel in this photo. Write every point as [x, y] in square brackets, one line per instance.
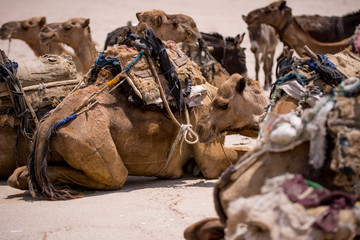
[268, 160]
[227, 108]
[279, 16]
[175, 27]
[114, 139]
[74, 32]
[179, 28]
[329, 28]
[28, 31]
[42, 83]
[263, 41]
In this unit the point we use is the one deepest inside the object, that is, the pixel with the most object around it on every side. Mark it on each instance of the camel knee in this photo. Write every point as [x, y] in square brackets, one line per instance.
[19, 179]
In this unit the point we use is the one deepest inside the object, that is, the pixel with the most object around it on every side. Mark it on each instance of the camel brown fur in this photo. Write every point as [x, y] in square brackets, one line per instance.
[28, 31]
[114, 139]
[278, 15]
[75, 33]
[237, 103]
[330, 28]
[263, 41]
[14, 150]
[175, 27]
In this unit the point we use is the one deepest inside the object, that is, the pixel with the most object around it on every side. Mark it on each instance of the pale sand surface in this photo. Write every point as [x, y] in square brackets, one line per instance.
[146, 208]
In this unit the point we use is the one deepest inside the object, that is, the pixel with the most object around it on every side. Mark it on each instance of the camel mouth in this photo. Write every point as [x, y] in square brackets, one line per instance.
[236, 130]
[4, 35]
[46, 40]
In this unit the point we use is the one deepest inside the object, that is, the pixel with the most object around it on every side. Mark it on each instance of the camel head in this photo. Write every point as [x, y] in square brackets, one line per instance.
[275, 14]
[67, 32]
[176, 27]
[237, 102]
[26, 30]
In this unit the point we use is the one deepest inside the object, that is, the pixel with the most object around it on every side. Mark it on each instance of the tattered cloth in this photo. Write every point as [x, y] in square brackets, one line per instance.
[142, 76]
[290, 207]
[344, 121]
[346, 62]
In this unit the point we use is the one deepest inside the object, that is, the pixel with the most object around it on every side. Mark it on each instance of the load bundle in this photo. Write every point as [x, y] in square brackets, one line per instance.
[291, 207]
[43, 82]
[177, 73]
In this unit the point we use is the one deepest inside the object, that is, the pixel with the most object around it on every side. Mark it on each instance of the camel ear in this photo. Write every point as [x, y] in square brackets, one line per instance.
[85, 23]
[282, 5]
[138, 16]
[157, 21]
[240, 85]
[244, 17]
[42, 21]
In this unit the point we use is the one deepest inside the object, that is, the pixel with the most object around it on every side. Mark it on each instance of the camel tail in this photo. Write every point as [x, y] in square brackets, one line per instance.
[37, 166]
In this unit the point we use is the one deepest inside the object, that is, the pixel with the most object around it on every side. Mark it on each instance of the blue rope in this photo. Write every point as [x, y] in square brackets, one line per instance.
[128, 67]
[291, 76]
[99, 61]
[323, 59]
[65, 120]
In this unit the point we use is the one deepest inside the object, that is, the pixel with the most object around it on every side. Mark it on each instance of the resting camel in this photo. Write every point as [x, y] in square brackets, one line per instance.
[179, 28]
[175, 27]
[75, 33]
[226, 108]
[247, 177]
[330, 29]
[28, 31]
[265, 161]
[279, 16]
[114, 139]
[263, 41]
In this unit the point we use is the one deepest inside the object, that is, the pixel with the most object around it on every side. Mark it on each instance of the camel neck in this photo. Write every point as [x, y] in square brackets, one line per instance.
[282, 30]
[85, 51]
[296, 37]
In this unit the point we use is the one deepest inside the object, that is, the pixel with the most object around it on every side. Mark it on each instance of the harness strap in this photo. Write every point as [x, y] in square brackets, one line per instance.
[286, 25]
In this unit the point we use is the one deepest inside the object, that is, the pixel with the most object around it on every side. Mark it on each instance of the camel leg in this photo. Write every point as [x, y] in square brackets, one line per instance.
[19, 179]
[94, 161]
[212, 160]
[57, 175]
[206, 229]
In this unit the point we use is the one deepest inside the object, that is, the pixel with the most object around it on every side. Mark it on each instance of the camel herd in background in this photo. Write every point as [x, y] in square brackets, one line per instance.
[319, 33]
[234, 103]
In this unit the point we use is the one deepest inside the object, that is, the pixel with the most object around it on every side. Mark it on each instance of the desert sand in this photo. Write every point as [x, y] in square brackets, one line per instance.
[146, 208]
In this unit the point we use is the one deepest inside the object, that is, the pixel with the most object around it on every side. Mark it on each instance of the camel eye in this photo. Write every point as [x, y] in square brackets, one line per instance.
[31, 22]
[222, 105]
[73, 23]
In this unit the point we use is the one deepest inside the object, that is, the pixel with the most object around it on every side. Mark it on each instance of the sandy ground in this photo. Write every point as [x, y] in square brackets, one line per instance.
[146, 208]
